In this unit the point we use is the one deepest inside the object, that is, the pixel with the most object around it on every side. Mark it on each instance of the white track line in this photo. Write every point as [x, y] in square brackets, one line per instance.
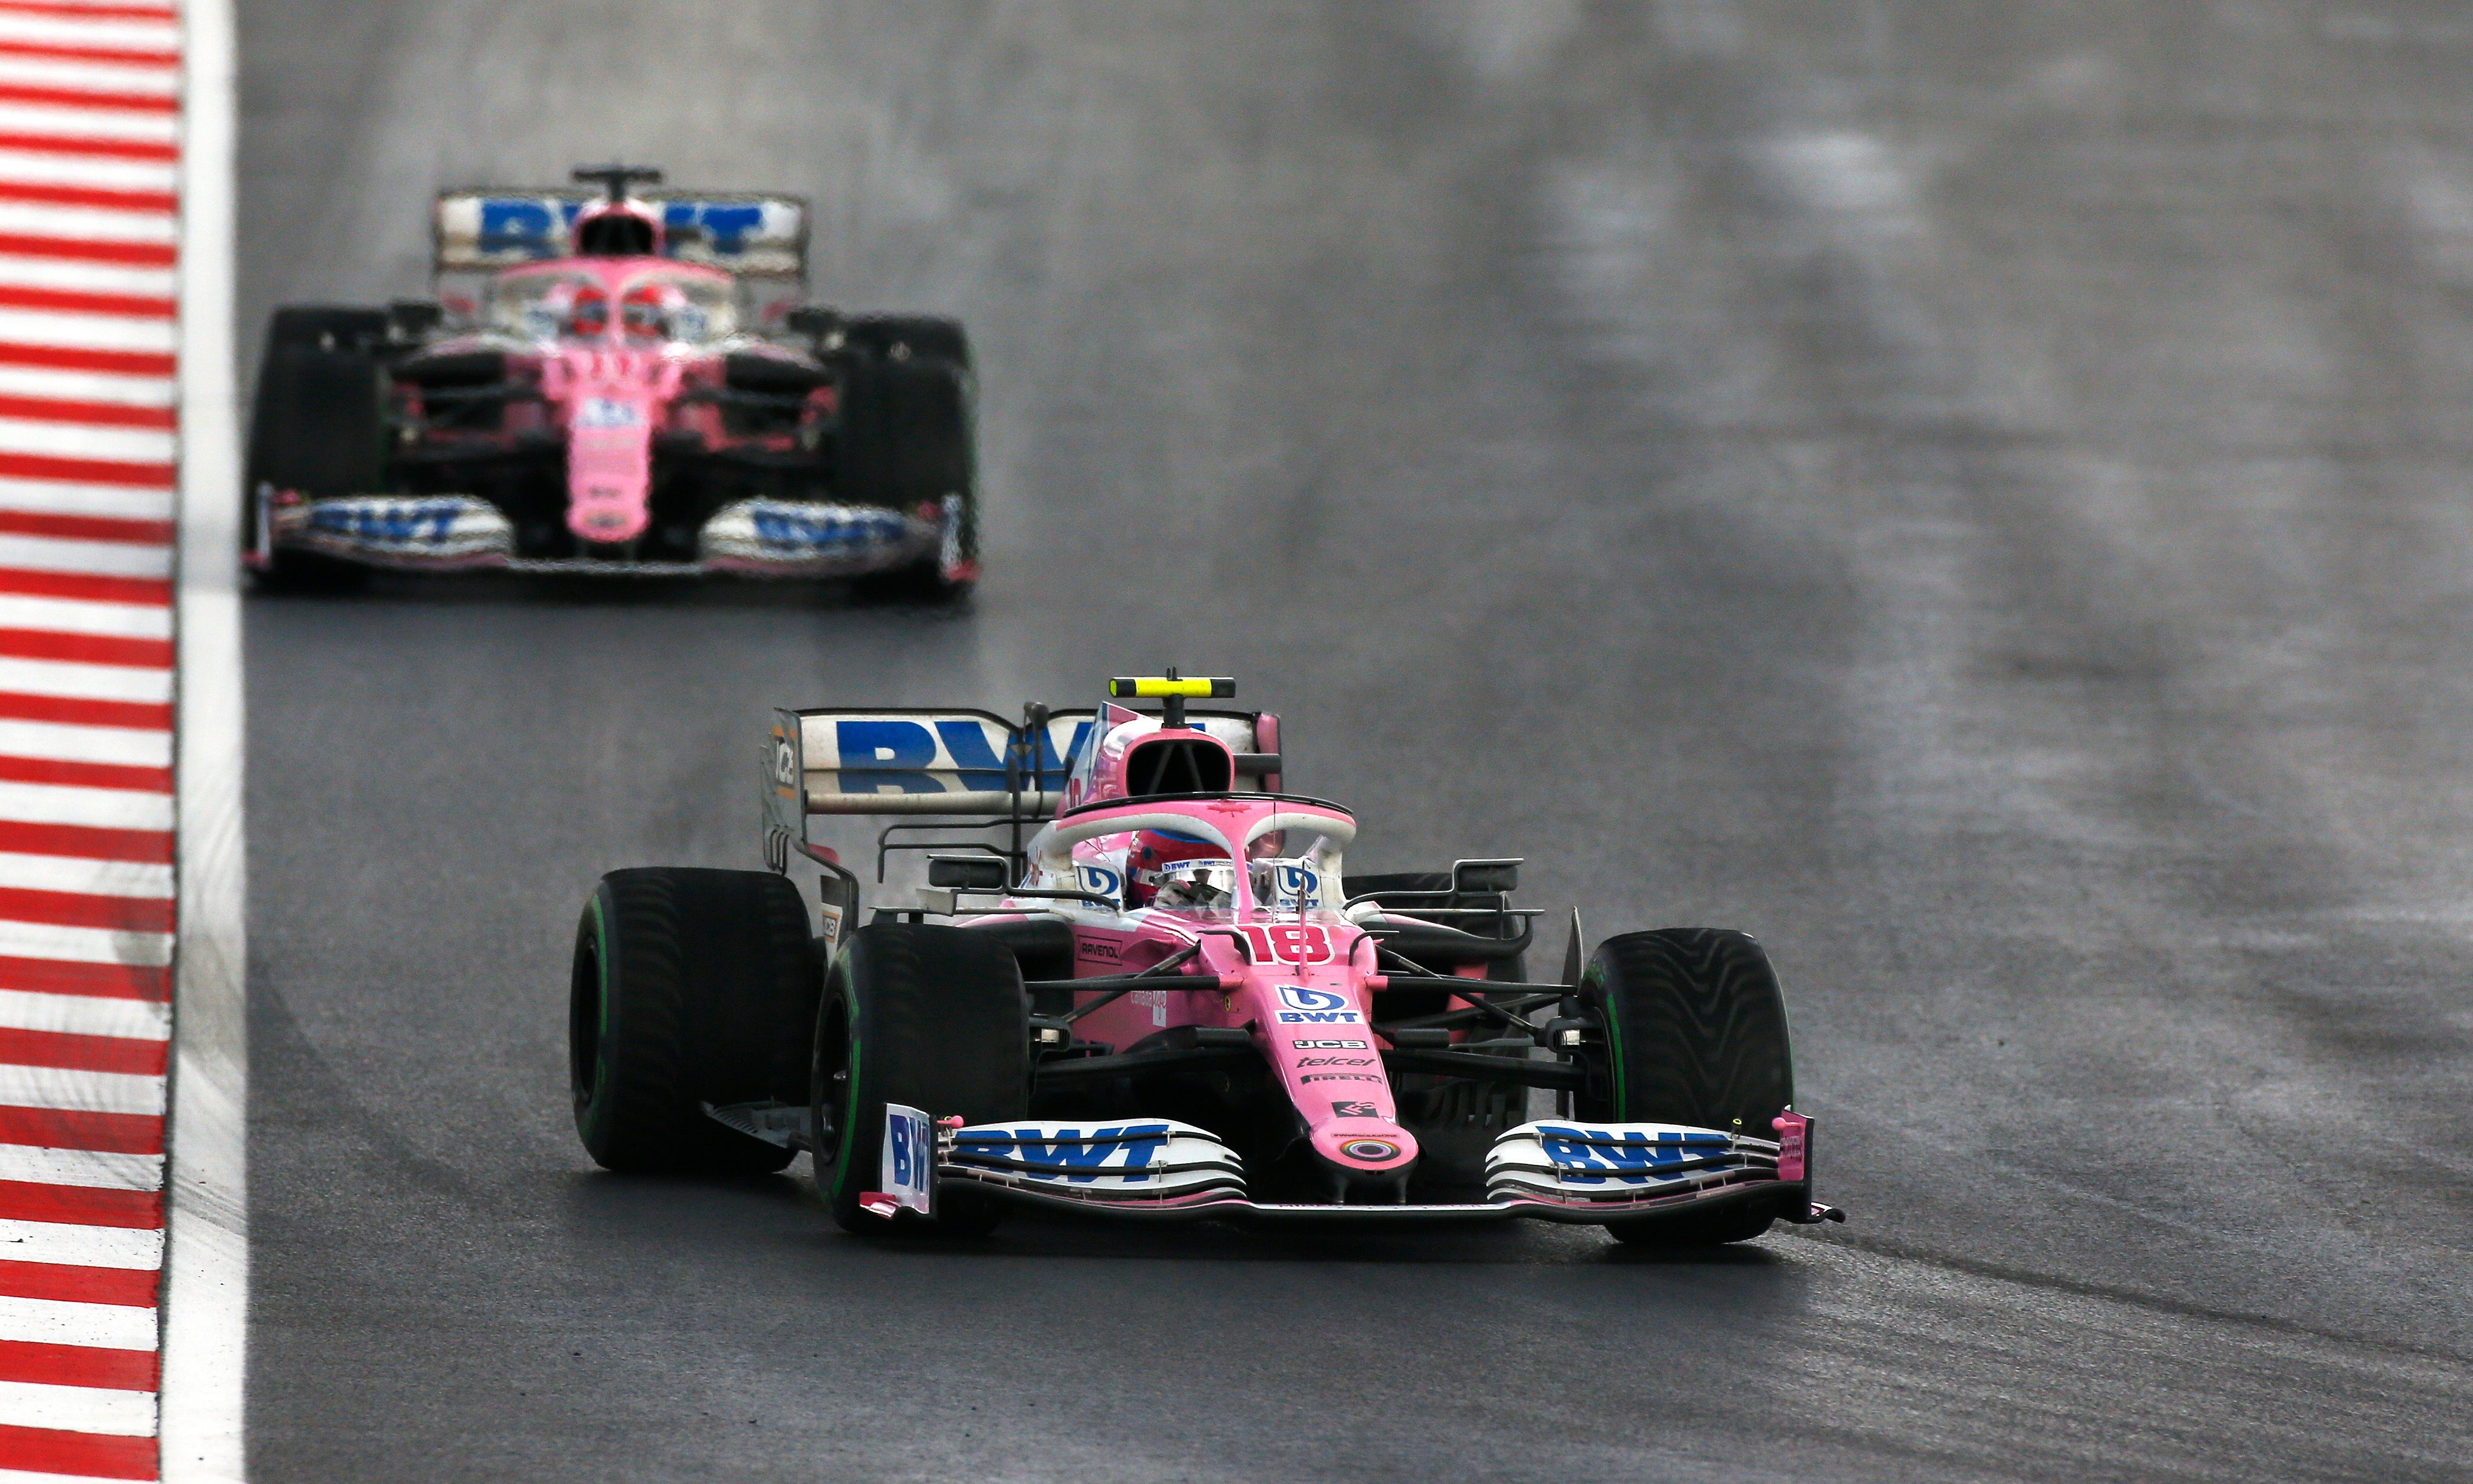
[205, 1347]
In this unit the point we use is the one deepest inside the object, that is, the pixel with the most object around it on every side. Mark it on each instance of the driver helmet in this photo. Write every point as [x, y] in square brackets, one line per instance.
[1166, 868]
[646, 309]
[588, 312]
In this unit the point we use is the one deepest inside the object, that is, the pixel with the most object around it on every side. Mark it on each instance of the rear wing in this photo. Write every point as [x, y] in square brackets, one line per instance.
[953, 768]
[754, 236]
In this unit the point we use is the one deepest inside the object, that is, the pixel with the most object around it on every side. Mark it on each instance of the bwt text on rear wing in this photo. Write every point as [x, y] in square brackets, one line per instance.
[944, 771]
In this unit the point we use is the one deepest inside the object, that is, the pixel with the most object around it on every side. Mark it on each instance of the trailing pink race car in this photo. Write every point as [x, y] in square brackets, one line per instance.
[615, 381]
[1167, 1001]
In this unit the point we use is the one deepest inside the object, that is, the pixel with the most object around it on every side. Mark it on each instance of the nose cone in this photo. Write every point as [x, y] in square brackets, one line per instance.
[1367, 1151]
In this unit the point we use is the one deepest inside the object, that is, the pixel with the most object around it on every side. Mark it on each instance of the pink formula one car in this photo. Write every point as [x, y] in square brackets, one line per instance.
[615, 382]
[1169, 1001]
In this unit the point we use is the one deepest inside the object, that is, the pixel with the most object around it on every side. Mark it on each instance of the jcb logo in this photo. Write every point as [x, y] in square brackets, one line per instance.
[786, 763]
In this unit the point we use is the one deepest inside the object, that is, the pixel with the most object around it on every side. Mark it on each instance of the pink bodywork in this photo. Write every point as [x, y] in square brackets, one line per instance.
[612, 388]
[608, 402]
[1299, 986]
[1299, 982]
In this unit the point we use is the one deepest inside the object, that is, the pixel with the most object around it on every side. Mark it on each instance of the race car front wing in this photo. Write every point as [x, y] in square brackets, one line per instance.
[1162, 1170]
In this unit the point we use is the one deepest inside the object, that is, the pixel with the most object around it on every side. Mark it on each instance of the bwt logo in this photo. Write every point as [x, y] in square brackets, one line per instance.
[1098, 1154]
[404, 524]
[778, 526]
[894, 754]
[1296, 997]
[1302, 1006]
[1633, 1157]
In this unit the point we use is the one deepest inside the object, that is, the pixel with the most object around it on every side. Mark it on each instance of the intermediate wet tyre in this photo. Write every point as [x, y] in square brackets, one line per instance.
[318, 426]
[907, 443]
[1695, 1034]
[929, 1016]
[689, 986]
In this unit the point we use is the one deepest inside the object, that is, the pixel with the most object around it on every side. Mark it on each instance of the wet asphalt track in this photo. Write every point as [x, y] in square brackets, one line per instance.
[1973, 493]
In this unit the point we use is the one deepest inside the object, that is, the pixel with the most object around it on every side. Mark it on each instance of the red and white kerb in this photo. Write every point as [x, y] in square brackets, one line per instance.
[90, 100]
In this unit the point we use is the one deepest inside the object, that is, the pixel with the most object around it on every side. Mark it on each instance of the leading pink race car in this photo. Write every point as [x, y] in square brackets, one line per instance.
[1167, 1001]
[615, 381]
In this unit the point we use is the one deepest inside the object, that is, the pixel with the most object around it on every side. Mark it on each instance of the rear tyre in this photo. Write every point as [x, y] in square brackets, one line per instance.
[1695, 1034]
[319, 427]
[929, 1016]
[889, 337]
[689, 986]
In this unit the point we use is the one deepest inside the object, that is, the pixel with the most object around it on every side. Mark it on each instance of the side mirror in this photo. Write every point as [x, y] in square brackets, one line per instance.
[968, 872]
[1485, 877]
[818, 321]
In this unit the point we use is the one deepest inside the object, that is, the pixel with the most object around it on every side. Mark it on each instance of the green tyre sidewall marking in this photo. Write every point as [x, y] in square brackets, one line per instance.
[850, 1120]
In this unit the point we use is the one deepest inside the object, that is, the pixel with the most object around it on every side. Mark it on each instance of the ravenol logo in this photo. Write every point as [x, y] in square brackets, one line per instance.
[1296, 997]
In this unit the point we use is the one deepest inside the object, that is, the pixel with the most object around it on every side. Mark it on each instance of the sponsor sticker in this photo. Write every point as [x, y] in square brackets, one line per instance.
[1353, 1110]
[1335, 1061]
[1296, 997]
[1289, 943]
[608, 411]
[1320, 1018]
[1339, 1077]
[908, 1171]
[1328, 1045]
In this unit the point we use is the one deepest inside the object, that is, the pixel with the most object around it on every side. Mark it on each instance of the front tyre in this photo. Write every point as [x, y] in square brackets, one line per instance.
[689, 986]
[931, 1018]
[1695, 1034]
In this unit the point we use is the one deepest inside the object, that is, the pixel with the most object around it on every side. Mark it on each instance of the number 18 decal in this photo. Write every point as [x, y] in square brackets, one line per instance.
[1290, 943]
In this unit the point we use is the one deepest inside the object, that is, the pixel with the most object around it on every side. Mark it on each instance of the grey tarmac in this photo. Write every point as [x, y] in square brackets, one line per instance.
[1972, 494]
